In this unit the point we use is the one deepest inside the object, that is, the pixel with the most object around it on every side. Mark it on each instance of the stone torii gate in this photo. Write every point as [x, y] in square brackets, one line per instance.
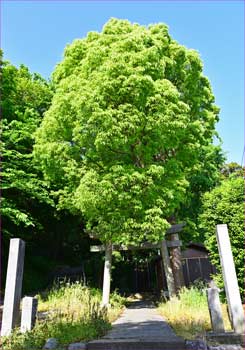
[174, 274]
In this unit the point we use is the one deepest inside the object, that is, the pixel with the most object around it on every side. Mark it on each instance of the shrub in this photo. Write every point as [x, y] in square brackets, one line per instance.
[225, 205]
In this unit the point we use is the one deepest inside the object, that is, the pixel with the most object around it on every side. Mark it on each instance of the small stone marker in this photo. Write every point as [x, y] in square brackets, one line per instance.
[230, 279]
[51, 343]
[28, 315]
[11, 309]
[215, 309]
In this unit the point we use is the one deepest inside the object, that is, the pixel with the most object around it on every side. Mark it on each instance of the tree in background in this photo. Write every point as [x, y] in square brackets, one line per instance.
[132, 118]
[25, 197]
[28, 210]
[225, 205]
[232, 169]
[24, 99]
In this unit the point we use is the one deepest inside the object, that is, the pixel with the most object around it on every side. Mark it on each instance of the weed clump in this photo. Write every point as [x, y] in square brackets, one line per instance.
[188, 313]
[73, 313]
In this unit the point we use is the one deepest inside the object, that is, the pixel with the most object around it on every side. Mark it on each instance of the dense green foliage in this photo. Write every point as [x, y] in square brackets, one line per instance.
[24, 99]
[202, 179]
[225, 205]
[25, 198]
[129, 131]
[27, 208]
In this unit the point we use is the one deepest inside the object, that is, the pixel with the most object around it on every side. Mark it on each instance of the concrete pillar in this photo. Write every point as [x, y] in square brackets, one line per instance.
[215, 309]
[13, 288]
[107, 276]
[176, 262]
[167, 269]
[230, 279]
[28, 314]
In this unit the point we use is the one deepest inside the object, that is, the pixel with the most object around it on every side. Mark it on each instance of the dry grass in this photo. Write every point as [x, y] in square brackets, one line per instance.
[188, 314]
[74, 300]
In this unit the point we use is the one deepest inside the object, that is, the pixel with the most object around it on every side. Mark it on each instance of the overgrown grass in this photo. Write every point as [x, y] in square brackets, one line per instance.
[188, 313]
[73, 300]
[117, 303]
[73, 313]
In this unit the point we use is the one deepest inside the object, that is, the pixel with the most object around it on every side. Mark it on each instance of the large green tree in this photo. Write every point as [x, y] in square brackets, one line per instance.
[132, 118]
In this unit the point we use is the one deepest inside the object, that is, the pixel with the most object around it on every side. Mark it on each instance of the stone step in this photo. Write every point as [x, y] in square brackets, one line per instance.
[226, 338]
[137, 344]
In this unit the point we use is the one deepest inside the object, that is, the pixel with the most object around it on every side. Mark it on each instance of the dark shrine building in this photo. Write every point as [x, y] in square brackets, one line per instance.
[143, 271]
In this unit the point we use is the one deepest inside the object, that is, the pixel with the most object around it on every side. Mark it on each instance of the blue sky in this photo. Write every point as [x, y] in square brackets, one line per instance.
[36, 32]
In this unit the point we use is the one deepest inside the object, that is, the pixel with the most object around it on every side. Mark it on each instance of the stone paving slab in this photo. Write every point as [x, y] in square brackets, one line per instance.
[140, 321]
[226, 338]
[139, 327]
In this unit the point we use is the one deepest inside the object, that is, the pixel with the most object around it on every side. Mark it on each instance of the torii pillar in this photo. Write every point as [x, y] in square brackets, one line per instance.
[163, 245]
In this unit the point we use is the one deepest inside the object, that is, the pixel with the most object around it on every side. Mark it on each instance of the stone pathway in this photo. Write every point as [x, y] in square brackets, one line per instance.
[140, 321]
[139, 327]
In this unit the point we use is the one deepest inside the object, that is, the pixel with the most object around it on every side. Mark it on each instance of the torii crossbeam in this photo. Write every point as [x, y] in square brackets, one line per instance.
[162, 245]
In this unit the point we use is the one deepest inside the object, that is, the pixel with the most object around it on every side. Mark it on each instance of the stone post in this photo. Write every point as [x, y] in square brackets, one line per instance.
[230, 279]
[167, 269]
[215, 309]
[107, 276]
[13, 288]
[175, 257]
[29, 313]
